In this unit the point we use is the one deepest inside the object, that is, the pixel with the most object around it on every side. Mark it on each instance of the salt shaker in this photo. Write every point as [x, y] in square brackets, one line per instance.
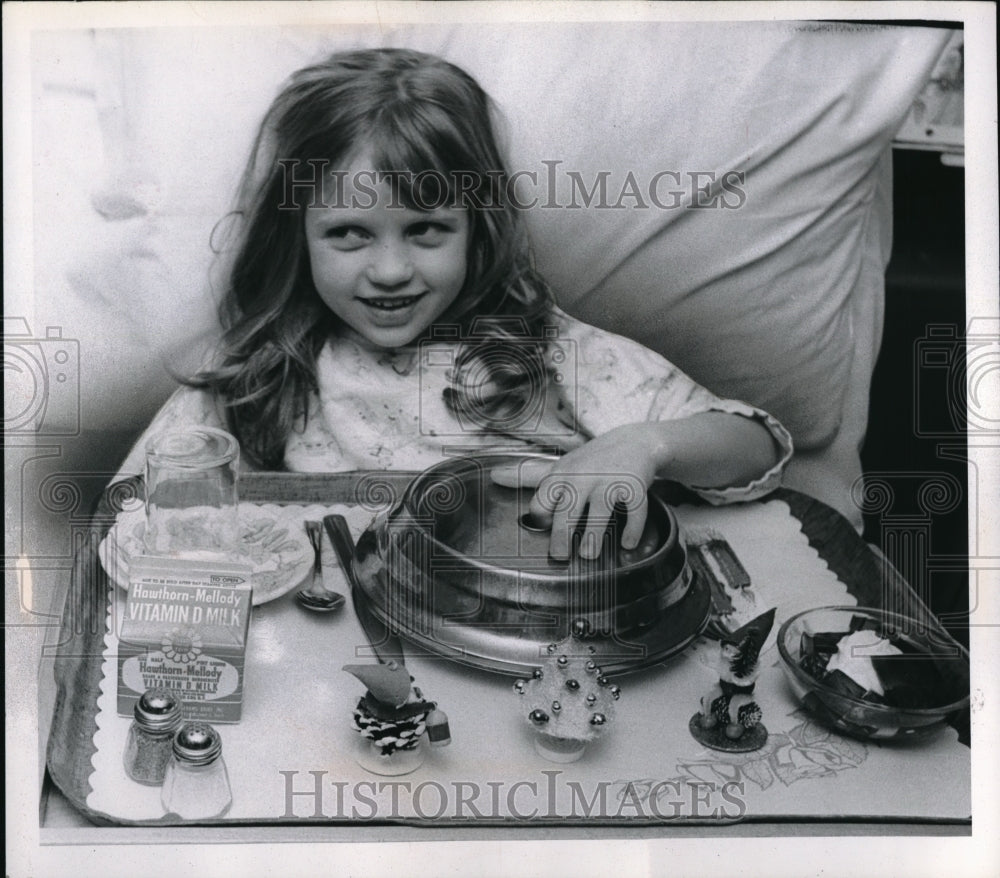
[197, 785]
[150, 737]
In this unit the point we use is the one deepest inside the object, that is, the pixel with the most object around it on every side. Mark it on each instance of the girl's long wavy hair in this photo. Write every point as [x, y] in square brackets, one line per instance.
[414, 112]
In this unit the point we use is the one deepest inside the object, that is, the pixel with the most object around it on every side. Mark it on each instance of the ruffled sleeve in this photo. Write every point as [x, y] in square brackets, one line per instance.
[609, 381]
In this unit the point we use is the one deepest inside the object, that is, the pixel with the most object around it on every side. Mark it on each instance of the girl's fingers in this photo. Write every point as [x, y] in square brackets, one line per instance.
[561, 500]
[598, 516]
[549, 510]
[625, 495]
[636, 524]
[559, 504]
[539, 516]
[523, 474]
[559, 541]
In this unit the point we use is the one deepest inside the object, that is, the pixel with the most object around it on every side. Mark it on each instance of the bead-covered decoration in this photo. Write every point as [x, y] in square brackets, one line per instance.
[570, 700]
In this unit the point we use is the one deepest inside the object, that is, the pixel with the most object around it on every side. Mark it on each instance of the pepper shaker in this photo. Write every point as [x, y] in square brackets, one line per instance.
[197, 784]
[150, 737]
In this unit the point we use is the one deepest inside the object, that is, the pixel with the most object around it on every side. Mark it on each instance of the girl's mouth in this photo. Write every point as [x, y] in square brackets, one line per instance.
[396, 303]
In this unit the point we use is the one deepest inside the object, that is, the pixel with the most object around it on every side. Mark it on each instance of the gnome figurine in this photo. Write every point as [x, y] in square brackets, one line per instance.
[393, 717]
[730, 718]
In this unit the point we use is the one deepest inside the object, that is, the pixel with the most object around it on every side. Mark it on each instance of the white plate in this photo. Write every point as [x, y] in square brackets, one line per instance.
[273, 542]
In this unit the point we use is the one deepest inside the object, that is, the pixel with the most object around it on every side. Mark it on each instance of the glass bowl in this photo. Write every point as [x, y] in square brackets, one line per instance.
[924, 688]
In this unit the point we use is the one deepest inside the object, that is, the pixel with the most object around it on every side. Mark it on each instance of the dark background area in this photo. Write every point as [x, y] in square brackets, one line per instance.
[916, 441]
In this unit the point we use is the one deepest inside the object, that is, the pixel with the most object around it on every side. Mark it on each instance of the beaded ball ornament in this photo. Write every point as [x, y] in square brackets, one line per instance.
[568, 701]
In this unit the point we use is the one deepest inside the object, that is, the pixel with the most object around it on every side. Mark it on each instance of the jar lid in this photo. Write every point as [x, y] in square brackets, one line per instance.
[193, 447]
[158, 710]
[197, 743]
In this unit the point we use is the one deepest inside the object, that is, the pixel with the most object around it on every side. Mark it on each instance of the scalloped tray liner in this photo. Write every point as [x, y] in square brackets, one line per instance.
[294, 757]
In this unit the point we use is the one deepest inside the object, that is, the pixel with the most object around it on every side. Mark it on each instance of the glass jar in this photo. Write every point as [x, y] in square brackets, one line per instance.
[149, 745]
[192, 504]
[197, 784]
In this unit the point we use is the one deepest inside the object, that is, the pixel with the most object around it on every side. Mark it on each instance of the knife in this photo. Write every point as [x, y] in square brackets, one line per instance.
[385, 644]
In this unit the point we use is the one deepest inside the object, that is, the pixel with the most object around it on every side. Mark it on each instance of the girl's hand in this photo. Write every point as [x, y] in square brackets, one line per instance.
[713, 449]
[613, 469]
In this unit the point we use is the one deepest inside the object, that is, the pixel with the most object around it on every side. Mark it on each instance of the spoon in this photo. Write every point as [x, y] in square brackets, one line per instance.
[316, 596]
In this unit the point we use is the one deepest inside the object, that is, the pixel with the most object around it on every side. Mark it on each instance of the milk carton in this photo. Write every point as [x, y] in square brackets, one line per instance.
[185, 628]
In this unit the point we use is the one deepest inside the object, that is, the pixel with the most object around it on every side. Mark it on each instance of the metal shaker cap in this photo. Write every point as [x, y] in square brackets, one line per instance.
[197, 743]
[158, 710]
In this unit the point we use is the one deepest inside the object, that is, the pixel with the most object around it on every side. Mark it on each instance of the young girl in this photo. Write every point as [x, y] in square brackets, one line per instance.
[381, 308]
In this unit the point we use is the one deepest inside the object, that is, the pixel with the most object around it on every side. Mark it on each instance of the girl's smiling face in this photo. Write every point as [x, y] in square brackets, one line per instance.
[387, 271]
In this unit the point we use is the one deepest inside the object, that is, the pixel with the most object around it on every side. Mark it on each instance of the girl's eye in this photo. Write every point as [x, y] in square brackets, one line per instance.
[347, 236]
[428, 234]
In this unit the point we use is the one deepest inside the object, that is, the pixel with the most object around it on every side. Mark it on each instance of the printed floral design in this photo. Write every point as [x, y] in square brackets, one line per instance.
[182, 645]
[805, 752]
[262, 538]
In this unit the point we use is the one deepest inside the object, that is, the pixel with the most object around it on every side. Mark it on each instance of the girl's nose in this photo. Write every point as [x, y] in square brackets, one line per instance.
[390, 266]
